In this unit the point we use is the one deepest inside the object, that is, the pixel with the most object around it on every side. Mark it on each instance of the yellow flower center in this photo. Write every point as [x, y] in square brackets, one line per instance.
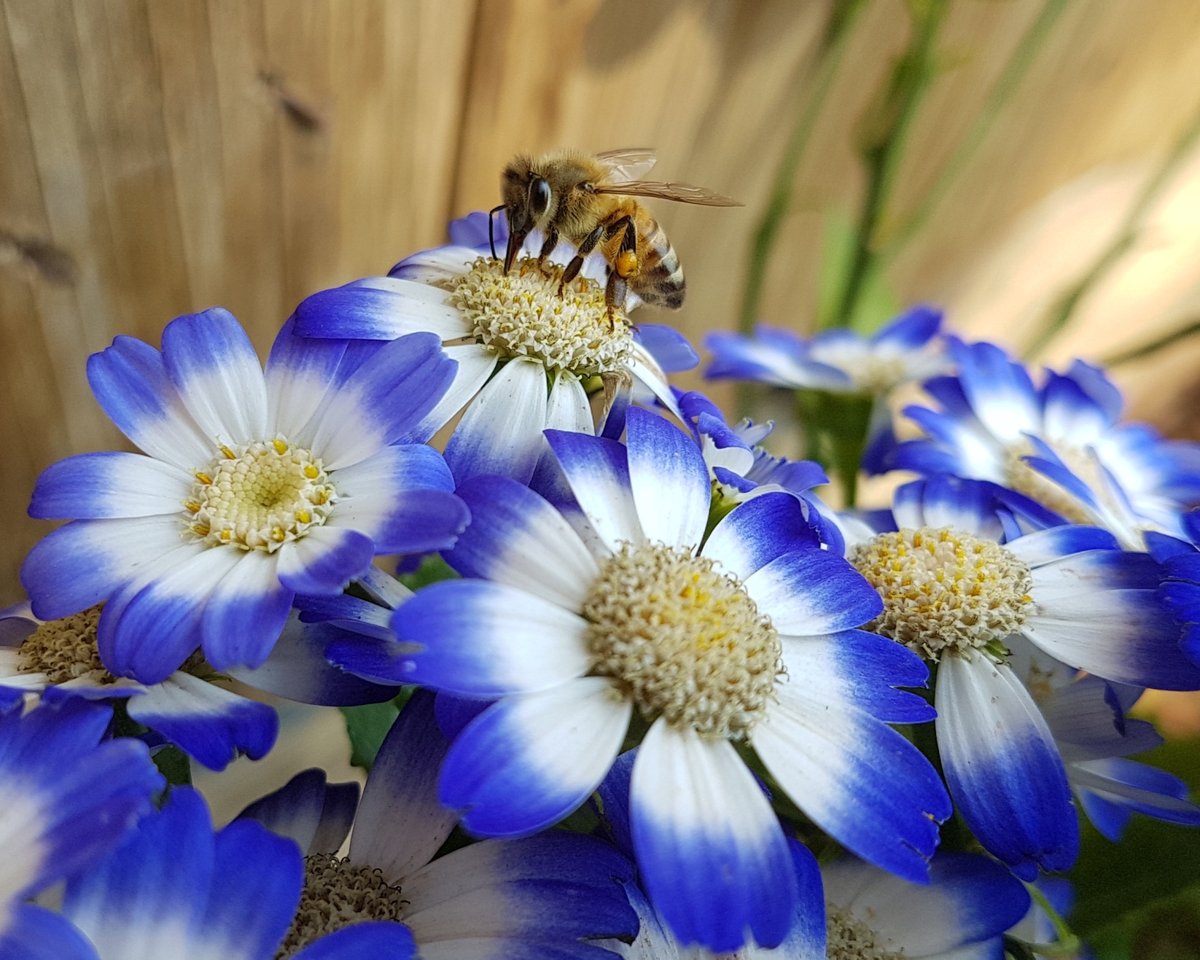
[683, 640]
[944, 590]
[522, 314]
[259, 497]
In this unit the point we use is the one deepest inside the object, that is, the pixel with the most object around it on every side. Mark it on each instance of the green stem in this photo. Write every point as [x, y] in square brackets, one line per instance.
[1126, 235]
[1008, 81]
[833, 46]
[884, 141]
[1153, 346]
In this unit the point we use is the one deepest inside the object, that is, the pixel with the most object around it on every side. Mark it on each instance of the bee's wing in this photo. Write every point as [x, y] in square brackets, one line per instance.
[683, 192]
[630, 163]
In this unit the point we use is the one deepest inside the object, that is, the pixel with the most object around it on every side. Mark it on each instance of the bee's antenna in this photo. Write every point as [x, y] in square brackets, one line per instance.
[491, 230]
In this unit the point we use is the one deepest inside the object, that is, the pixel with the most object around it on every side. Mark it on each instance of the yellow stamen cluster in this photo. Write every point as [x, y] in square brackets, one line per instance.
[683, 640]
[64, 649]
[1021, 477]
[944, 590]
[522, 314]
[335, 895]
[259, 497]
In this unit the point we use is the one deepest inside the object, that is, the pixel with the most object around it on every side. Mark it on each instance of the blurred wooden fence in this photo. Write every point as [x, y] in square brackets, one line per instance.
[161, 156]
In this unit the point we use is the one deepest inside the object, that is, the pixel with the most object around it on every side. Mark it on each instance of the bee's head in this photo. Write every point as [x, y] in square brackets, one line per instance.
[527, 200]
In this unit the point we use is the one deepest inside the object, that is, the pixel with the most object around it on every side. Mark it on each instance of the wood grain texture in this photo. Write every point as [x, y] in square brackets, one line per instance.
[162, 156]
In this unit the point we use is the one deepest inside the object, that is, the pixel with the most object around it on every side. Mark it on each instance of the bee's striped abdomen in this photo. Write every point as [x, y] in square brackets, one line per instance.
[660, 279]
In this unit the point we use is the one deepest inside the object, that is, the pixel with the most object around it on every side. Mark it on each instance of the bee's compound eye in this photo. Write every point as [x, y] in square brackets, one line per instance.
[539, 196]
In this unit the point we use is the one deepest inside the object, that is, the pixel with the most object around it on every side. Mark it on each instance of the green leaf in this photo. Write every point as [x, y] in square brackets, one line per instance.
[432, 569]
[173, 764]
[367, 726]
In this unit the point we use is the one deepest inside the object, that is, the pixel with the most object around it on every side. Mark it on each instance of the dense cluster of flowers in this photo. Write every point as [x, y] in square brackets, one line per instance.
[658, 698]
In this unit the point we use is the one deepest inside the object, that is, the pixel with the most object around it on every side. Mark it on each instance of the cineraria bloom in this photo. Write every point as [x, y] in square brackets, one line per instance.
[59, 659]
[837, 361]
[960, 594]
[66, 798]
[1061, 444]
[176, 889]
[540, 897]
[530, 350]
[252, 488]
[744, 637]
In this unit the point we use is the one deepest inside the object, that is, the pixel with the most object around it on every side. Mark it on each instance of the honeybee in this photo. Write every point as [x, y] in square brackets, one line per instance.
[589, 200]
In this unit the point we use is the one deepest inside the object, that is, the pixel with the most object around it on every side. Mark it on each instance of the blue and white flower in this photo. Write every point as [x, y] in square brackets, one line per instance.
[907, 349]
[177, 889]
[528, 355]
[252, 488]
[993, 613]
[545, 896]
[1062, 444]
[66, 799]
[746, 636]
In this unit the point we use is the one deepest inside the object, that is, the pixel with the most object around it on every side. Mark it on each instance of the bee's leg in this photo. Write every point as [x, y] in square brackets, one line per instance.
[547, 247]
[614, 296]
[585, 247]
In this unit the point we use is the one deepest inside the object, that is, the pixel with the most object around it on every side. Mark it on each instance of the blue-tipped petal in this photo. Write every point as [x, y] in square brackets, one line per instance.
[1044, 546]
[97, 486]
[385, 398]
[206, 722]
[1131, 787]
[258, 877]
[325, 560]
[668, 347]
[530, 760]
[315, 814]
[82, 563]
[1088, 615]
[400, 824]
[862, 670]
[1003, 767]
[501, 430]
[245, 613]
[368, 940]
[147, 633]
[483, 639]
[378, 308]
[517, 538]
[942, 501]
[154, 888]
[130, 382]
[712, 855]
[668, 480]
[856, 778]
[597, 470]
[67, 798]
[757, 531]
[533, 889]
[212, 363]
[812, 591]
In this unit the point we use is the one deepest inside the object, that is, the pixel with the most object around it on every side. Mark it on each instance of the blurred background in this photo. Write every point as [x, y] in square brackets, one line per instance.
[1030, 165]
